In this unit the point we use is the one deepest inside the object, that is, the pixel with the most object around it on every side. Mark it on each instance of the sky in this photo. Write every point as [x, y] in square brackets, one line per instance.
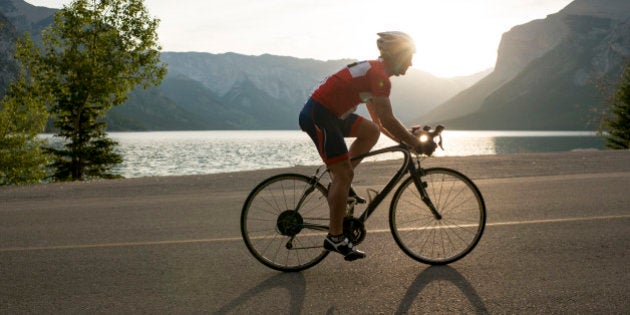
[454, 37]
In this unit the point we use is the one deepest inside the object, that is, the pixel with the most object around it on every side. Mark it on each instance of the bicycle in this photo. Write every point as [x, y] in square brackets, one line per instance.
[437, 215]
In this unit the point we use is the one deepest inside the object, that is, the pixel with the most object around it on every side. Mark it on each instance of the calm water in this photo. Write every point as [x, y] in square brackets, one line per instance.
[206, 152]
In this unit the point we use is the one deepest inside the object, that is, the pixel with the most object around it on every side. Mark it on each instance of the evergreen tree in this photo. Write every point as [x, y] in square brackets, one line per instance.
[618, 124]
[23, 117]
[94, 54]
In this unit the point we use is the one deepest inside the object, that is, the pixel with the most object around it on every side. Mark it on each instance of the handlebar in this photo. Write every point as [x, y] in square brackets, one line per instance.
[425, 133]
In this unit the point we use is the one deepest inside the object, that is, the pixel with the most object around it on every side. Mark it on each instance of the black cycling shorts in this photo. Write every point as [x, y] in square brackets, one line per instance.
[328, 131]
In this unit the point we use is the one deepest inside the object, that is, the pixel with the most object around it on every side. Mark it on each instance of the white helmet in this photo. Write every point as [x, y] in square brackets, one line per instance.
[392, 44]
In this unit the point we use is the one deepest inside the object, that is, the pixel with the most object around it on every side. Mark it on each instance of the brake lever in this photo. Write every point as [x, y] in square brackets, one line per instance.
[439, 130]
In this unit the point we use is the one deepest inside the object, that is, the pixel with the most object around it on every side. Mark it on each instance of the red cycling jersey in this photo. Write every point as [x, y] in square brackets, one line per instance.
[342, 92]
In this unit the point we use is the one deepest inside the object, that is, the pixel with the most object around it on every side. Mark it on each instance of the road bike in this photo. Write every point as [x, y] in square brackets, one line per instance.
[436, 216]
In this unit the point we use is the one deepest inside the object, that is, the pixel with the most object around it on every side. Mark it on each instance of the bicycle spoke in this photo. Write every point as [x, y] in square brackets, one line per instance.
[266, 231]
[462, 235]
[270, 205]
[269, 243]
[447, 204]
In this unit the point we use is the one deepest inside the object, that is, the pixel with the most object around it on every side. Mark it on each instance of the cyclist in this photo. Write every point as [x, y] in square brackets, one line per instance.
[328, 117]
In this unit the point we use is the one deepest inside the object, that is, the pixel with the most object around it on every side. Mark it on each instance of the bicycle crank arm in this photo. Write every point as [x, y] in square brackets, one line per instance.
[289, 245]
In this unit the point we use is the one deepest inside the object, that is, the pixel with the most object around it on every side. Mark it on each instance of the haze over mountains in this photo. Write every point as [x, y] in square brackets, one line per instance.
[545, 77]
[232, 91]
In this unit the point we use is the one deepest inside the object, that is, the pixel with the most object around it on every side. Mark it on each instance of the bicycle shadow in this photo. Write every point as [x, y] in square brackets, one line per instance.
[294, 282]
[441, 273]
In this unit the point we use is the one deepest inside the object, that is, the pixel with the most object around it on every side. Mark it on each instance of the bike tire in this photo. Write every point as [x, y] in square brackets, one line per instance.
[277, 235]
[434, 241]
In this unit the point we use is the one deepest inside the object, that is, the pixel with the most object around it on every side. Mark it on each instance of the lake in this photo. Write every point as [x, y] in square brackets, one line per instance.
[207, 152]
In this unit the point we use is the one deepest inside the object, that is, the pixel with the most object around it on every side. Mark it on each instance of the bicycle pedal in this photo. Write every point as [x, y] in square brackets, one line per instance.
[356, 200]
[353, 194]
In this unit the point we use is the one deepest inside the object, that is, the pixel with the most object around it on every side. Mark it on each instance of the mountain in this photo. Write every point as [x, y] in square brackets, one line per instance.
[248, 92]
[547, 72]
[26, 17]
[18, 17]
[225, 91]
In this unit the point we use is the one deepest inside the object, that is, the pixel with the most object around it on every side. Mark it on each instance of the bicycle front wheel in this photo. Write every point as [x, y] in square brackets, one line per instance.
[443, 239]
[284, 222]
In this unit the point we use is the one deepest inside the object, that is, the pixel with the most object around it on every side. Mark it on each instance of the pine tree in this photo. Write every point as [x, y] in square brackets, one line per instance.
[618, 124]
[94, 54]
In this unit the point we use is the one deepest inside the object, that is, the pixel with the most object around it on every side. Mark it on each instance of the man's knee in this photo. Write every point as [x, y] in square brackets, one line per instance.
[370, 131]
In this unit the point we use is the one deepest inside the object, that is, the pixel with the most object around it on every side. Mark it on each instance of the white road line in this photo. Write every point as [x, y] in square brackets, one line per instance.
[122, 244]
[561, 220]
[233, 239]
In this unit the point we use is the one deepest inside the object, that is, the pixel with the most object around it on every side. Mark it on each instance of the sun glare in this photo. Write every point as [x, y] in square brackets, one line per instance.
[448, 54]
[453, 39]
[459, 37]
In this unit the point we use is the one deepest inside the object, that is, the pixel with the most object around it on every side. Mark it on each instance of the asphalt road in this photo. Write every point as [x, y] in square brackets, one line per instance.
[557, 241]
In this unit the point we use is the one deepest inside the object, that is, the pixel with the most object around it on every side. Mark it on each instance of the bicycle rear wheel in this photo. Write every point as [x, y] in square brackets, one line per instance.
[276, 232]
[428, 239]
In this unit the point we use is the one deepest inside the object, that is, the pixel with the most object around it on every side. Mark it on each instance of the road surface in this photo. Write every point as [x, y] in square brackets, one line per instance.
[557, 241]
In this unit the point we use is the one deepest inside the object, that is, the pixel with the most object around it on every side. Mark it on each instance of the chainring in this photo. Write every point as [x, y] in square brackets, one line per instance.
[354, 230]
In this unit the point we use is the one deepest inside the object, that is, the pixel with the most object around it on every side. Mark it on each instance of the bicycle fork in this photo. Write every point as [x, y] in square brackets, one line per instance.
[421, 186]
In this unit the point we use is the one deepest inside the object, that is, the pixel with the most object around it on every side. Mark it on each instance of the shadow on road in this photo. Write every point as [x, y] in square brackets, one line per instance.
[294, 283]
[441, 273]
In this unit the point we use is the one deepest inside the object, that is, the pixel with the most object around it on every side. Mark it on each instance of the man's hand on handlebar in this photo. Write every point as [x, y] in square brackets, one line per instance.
[427, 138]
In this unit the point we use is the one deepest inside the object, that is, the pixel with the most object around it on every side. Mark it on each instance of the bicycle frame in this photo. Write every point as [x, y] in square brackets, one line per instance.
[407, 167]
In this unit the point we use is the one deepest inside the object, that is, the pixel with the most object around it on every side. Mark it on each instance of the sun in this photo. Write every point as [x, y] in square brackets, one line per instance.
[453, 38]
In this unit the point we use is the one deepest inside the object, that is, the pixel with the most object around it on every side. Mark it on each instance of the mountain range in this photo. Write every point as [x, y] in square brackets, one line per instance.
[204, 91]
[233, 91]
[546, 78]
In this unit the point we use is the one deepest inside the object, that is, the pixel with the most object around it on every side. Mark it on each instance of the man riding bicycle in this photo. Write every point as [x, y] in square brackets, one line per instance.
[328, 117]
